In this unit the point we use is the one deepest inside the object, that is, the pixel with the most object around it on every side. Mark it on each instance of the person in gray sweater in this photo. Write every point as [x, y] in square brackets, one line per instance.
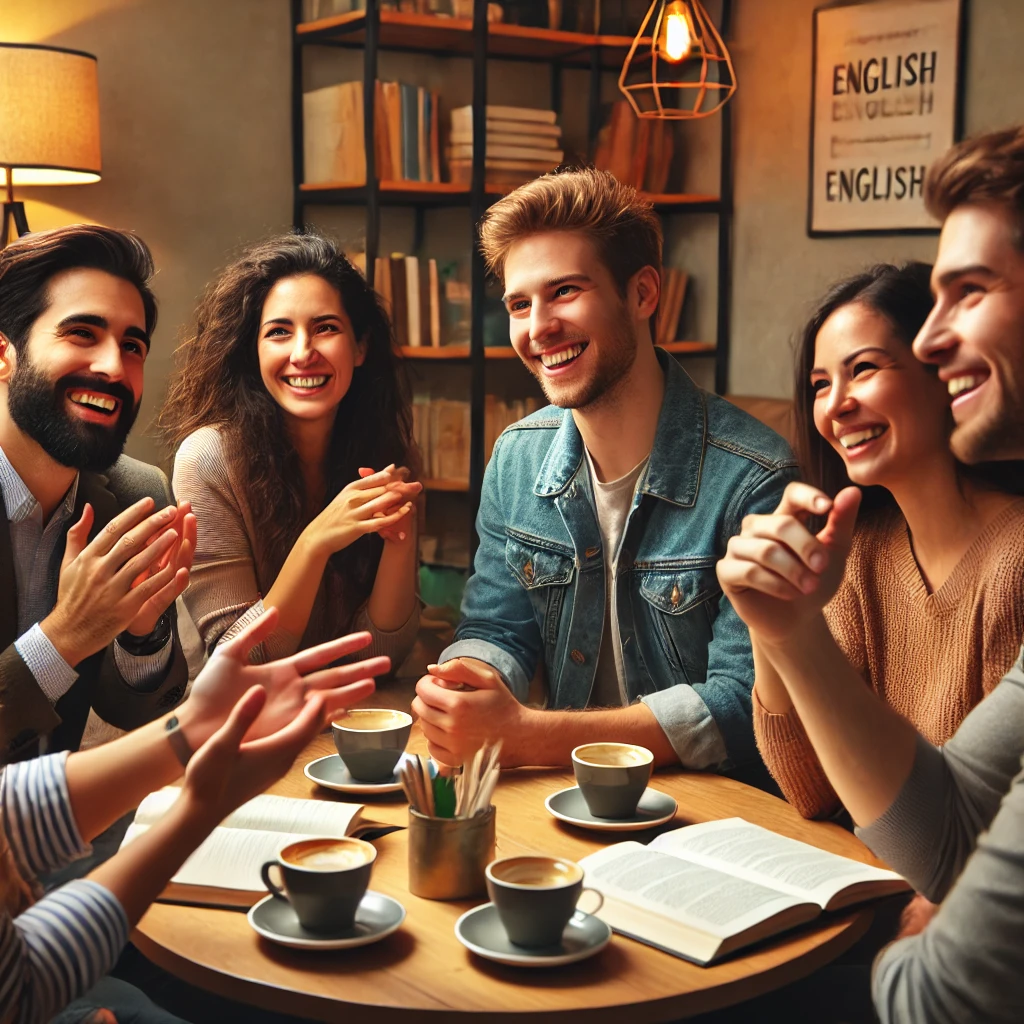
[950, 819]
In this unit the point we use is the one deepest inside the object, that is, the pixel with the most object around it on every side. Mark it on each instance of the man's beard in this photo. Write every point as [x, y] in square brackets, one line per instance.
[998, 437]
[36, 405]
[616, 355]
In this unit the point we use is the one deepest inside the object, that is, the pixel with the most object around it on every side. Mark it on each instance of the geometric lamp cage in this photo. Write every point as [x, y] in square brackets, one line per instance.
[682, 69]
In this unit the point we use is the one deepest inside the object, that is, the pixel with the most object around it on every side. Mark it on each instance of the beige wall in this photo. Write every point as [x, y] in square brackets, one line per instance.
[194, 113]
[778, 270]
[197, 154]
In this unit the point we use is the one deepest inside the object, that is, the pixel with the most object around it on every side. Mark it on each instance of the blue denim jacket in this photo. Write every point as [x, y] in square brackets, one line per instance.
[538, 587]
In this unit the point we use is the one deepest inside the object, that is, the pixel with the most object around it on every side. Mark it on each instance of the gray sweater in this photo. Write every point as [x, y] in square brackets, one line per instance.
[956, 832]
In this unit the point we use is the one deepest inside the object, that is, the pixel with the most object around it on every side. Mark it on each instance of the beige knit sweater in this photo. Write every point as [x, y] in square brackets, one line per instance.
[931, 656]
[228, 578]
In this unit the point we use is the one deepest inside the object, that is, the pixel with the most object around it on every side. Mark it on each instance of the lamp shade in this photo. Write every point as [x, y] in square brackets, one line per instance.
[49, 115]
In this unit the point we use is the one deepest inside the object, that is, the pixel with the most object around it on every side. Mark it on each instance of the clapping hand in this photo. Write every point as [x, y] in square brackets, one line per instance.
[776, 573]
[402, 489]
[179, 558]
[290, 683]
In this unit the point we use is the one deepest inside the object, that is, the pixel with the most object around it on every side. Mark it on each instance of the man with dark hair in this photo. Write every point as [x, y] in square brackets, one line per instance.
[950, 819]
[89, 572]
[602, 515]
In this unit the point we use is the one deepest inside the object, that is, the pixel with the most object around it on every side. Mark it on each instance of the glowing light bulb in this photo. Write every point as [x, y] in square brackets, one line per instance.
[676, 37]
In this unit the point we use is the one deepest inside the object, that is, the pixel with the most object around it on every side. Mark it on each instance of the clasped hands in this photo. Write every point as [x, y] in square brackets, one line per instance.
[124, 579]
[777, 574]
[463, 704]
[378, 502]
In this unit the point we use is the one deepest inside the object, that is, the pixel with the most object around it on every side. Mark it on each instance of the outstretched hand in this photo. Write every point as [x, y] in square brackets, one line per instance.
[228, 769]
[776, 573]
[289, 683]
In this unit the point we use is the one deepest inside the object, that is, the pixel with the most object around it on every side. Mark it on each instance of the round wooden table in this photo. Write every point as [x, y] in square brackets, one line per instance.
[423, 972]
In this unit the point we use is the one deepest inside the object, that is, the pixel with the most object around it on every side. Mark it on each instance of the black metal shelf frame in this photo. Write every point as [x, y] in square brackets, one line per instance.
[477, 198]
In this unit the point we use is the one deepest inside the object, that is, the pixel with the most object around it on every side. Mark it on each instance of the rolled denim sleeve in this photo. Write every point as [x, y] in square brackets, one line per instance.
[498, 624]
[689, 726]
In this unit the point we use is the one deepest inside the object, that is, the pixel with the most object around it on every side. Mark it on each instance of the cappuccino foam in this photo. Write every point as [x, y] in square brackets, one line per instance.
[372, 721]
[542, 872]
[325, 856]
[613, 754]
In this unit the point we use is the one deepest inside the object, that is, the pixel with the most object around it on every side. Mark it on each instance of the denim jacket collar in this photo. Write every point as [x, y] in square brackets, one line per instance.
[673, 472]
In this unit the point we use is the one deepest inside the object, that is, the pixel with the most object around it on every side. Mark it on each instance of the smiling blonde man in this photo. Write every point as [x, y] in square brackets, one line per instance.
[602, 515]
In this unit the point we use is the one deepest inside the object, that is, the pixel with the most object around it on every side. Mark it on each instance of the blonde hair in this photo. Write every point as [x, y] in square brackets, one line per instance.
[985, 169]
[623, 227]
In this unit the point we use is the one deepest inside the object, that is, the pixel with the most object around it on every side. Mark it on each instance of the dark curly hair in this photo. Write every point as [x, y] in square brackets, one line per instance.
[217, 382]
[901, 294]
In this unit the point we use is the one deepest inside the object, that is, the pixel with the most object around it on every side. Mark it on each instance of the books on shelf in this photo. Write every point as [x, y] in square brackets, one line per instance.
[703, 891]
[410, 288]
[225, 869]
[638, 151]
[670, 306]
[406, 133]
[441, 427]
[521, 142]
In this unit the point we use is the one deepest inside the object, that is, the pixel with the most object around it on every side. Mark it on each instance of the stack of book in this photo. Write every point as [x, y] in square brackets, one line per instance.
[441, 429]
[521, 144]
[411, 291]
[406, 137]
[498, 415]
[673, 292]
[638, 151]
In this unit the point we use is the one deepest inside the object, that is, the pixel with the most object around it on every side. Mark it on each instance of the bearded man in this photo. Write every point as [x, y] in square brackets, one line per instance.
[93, 552]
[602, 516]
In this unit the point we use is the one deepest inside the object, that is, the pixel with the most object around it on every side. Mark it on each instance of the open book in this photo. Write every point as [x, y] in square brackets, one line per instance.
[225, 869]
[703, 891]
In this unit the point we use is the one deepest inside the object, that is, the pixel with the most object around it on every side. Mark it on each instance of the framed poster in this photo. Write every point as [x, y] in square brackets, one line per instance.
[885, 103]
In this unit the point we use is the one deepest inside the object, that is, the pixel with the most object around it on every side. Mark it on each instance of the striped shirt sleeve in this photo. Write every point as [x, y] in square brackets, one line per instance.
[58, 949]
[35, 813]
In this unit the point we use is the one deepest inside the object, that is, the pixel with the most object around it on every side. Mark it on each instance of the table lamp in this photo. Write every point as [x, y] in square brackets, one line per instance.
[49, 122]
[678, 68]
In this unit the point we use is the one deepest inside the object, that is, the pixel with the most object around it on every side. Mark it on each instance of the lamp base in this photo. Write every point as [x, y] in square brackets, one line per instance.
[13, 211]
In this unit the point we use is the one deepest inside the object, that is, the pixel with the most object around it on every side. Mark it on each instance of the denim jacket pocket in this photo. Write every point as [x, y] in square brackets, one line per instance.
[545, 575]
[677, 602]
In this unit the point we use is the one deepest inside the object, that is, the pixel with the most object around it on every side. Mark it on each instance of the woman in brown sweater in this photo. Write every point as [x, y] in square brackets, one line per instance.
[292, 426]
[935, 573]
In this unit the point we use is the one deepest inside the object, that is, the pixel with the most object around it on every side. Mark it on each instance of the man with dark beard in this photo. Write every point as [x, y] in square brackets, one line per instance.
[89, 572]
[602, 516]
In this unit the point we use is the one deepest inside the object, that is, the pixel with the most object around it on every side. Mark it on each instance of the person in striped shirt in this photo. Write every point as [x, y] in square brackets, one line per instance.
[244, 722]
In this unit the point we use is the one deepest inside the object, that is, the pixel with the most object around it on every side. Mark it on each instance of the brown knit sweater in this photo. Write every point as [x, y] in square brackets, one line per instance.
[930, 656]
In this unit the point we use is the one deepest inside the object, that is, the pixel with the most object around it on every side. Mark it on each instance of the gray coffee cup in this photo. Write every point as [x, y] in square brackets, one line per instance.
[535, 896]
[612, 777]
[370, 741]
[323, 879]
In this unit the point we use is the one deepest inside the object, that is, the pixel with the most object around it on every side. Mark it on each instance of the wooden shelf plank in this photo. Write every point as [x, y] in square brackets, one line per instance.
[446, 485]
[454, 37]
[689, 348]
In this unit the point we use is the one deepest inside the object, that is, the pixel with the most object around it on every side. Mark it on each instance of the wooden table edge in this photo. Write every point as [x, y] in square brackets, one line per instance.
[329, 1009]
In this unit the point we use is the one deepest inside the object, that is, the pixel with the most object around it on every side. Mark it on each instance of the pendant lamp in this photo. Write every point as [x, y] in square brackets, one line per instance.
[678, 68]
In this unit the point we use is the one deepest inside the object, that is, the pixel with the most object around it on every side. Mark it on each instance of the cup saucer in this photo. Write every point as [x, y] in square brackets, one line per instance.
[378, 915]
[331, 773]
[480, 930]
[653, 809]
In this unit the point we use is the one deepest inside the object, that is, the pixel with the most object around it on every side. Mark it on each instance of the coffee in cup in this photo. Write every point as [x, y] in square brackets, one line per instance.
[612, 777]
[370, 741]
[323, 879]
[535, 896]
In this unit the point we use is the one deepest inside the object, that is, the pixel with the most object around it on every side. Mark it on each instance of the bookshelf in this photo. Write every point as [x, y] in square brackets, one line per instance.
[374, 30]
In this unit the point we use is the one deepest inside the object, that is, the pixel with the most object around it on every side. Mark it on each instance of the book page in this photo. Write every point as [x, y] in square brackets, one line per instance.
[267, 813]
[759, 855]
[230, 858]
[693, 894]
